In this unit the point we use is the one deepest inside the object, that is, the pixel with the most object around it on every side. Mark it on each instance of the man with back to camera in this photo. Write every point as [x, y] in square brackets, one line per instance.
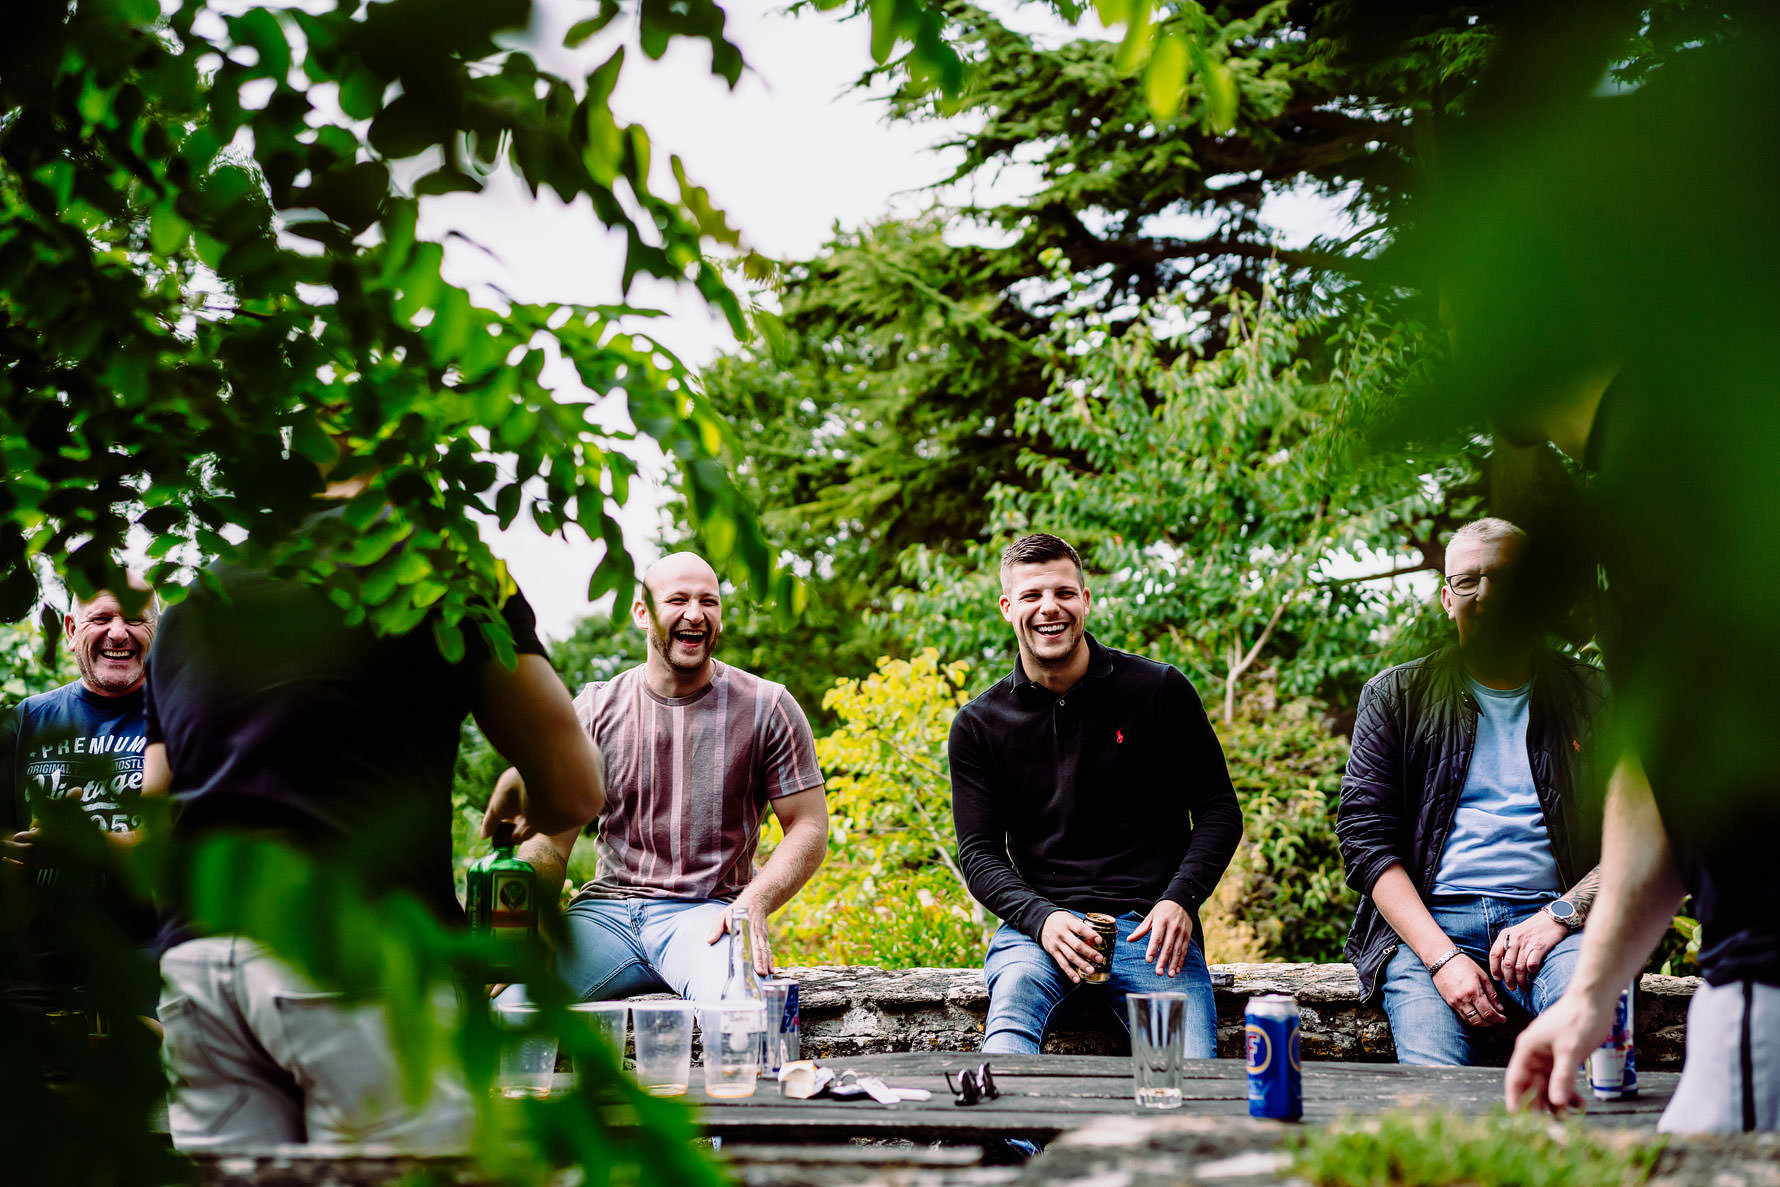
[1692, 810]
[269, 715]
[696, 750]
[1459, 818]
[1087, 780]
[81, 743]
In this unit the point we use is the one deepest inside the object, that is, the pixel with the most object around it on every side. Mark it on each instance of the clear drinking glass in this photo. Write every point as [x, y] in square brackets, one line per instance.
[734, 1038]
[1158, 1047]
[662, 1032]
[608, 1020]
[528, 1056]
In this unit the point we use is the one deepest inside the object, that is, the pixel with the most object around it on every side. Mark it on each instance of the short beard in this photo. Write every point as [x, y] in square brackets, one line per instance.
[663, 643]
[89, 675]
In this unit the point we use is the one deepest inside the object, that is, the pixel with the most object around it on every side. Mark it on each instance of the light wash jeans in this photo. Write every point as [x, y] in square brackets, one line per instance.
[256, 1055]
[1026, 987]
[615, 948]
[1426, 1030]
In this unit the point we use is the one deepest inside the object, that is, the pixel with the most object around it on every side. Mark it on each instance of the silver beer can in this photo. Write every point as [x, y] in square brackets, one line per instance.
[783, 1026]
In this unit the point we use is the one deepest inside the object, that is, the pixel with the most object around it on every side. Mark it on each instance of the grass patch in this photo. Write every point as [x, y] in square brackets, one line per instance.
[1419, 1149]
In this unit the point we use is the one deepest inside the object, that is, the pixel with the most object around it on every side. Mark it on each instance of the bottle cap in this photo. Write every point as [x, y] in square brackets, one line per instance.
[503, 834]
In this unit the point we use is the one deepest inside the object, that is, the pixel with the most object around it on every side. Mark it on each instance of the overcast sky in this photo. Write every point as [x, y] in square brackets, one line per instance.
[789, 154]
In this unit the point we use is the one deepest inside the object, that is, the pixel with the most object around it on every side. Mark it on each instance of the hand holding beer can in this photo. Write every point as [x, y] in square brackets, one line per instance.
[1107, 928]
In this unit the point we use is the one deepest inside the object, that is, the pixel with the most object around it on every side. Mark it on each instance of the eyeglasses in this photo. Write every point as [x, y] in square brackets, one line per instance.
[975, 1085]
[1467, 584]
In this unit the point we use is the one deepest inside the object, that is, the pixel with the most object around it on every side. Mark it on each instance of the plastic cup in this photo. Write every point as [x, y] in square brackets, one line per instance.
[1158, 1047]
[662, 1032]
[733, 1042]
[608, 1020]
[528, 1056]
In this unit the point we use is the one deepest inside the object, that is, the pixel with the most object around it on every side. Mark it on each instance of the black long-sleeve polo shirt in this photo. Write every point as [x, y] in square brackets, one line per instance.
[1110, 797]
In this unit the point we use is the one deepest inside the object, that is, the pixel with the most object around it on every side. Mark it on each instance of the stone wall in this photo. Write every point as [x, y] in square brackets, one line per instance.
[853, 1010]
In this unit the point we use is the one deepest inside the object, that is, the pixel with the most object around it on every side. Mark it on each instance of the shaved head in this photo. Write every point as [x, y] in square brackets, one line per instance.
[680, 609]
[674, 568]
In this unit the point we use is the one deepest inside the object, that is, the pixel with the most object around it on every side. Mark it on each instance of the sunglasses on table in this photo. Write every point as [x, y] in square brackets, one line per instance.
[974, 1086]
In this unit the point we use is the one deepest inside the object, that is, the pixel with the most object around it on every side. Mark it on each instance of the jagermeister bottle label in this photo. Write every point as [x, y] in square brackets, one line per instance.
[513, 914]
[503, 897]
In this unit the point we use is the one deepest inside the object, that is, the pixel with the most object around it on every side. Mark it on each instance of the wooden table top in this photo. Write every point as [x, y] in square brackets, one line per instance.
[1043, 1096]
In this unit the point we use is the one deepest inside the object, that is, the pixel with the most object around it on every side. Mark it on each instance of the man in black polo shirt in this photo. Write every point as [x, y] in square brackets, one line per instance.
[1087, 780]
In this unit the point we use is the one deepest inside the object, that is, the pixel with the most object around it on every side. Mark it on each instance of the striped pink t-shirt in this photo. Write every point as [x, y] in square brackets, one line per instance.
[688, 780]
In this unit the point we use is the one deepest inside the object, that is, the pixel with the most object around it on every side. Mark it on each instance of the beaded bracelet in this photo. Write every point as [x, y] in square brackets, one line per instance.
[1444, 959]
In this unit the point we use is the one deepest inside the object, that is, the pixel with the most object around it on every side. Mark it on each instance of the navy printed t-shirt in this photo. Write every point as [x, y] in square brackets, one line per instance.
[72, 744]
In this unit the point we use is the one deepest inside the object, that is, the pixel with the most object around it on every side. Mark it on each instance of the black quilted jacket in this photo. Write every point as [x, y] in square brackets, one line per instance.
[1412, 746]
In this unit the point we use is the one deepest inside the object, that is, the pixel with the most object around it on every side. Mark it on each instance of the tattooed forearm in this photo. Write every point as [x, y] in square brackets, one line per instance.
[1583, 893]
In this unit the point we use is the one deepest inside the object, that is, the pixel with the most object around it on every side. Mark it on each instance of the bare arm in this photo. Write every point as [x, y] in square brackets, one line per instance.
[528, 717]
[1640, 892]
[547, 853]
[804, 817]
[1464, 985]
[157, 776]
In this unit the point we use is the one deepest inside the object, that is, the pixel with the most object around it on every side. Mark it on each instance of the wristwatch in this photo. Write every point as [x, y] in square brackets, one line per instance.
[1564, 911]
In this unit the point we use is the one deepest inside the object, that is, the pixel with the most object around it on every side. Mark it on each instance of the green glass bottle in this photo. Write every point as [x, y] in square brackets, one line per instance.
[502, 894]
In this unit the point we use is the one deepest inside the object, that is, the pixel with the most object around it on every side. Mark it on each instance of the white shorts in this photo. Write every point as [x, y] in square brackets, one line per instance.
[1731, 1081]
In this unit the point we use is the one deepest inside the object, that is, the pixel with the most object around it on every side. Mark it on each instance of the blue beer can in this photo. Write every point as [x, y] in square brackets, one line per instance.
[1275, 1077]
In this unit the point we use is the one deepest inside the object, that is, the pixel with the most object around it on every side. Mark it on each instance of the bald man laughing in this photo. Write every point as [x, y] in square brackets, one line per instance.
[695, 751]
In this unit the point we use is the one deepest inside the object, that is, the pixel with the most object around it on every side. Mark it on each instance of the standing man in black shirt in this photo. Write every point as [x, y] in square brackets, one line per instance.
[1087, 780]
[269, 714]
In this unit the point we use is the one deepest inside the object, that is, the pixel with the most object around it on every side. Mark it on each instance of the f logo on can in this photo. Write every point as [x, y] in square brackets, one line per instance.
[1260, 1050]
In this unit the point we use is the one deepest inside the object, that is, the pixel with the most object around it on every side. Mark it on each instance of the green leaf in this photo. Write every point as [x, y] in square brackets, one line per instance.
[1165, 79]
[309, 440]
[361, 94]
[450, 640]
[167, 232]
[581, 31]
[1221, 96]
[259, 28]
[409, 126]
[446, 180]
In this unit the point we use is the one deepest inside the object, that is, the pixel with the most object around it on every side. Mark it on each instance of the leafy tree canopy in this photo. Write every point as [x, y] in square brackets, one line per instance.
[211, 284]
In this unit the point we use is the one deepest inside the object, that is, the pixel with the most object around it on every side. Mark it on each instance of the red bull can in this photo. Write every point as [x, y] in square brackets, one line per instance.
[1613, 1066]
[1275, 1077]
[784, 1026]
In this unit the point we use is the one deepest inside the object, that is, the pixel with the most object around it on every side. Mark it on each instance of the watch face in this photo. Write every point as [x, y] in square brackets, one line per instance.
[1562, 910]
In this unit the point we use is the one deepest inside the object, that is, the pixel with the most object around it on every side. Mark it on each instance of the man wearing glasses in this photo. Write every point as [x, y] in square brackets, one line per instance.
[1459, 819]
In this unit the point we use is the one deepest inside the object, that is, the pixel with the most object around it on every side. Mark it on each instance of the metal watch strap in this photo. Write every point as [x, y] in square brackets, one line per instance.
[1444, 959]
[1573, 923]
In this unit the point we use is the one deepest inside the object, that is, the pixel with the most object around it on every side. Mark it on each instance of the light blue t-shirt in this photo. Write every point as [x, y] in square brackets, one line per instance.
[1498, 844]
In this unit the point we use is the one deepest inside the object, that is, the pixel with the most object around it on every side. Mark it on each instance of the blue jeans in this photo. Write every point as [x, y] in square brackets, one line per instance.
[1427, 1030]
[1026, 987]
[619, 947]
